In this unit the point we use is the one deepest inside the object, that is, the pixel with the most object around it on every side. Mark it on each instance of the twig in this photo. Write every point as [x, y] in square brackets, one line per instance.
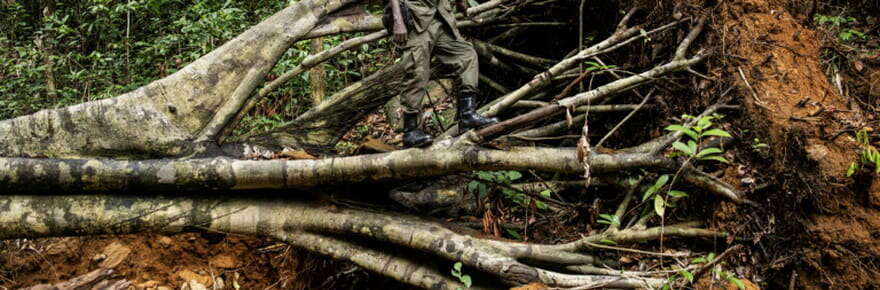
[621, 209]
[683, 46]
[571, 85]
[702, 270]
[628, 116]
[538, 61]
[758, 100]
[622, 249]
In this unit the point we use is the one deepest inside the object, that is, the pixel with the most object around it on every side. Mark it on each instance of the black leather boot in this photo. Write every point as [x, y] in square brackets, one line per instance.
[412, 136]
[468, 118]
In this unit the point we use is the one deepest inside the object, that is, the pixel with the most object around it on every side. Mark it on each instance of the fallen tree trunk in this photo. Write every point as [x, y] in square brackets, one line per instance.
[315, 227]
[169, 116]
[49, 175]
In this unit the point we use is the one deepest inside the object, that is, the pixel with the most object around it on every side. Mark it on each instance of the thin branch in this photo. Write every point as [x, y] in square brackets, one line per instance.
[628, 116]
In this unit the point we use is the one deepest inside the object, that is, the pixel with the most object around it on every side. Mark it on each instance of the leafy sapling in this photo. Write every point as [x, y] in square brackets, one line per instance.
[609, 219]
[463, 278]
[696, 134]
[662, 201]
[719, 272]
[870, 156]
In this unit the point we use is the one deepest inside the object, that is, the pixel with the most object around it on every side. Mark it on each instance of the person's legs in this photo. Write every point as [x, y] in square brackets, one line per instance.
[460, 55]
[417, 51]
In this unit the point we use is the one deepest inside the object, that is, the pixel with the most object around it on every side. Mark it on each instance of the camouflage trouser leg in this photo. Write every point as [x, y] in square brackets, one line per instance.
[437, 40]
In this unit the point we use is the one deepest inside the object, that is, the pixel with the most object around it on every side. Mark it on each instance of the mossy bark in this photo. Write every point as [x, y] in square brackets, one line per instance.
[168, 116]
[310, 226]
[104, 175]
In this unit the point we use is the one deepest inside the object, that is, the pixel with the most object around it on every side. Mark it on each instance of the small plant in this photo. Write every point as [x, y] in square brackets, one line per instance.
[661, 201]
[595, 66]
[833, 20]
[362, 129]
[680, 274]
[503, 180]
[609, 219]
[759, 146]
[513, 234]
[463, 278]
[717, 270]
[727, 275]
[697, 133]
[869, 156]
[851, 34]
[838, 22]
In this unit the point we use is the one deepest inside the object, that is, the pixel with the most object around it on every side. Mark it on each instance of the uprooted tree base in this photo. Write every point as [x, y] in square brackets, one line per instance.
[660, 64]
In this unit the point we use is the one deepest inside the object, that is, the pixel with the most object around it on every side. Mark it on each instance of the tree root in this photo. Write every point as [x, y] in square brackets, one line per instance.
[97, 279]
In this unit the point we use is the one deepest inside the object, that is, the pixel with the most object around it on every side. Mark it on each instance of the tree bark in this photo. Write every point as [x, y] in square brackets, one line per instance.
[317, 86]
[166, 117]
[194, 175]
[315, 228]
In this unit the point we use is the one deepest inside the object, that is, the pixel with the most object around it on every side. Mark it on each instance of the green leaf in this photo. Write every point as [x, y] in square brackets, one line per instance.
[699, 260]
[540, 205]
[717, 132]
[683, 129]
[683, 148]
[693, 146]
[547, 193]
[687, 275]
[703, 123]
[659, 183]
[608, 242]
[709, 151]
[711, 256]
[736, 281]
[484, 190]
[659, 205]
[513, 234]
[473, 186]
[457, 267]
[466, 279]
[716, 158]
[677, 193]
[514, 175]
[485, 175]
[852, 169]
[877, 166]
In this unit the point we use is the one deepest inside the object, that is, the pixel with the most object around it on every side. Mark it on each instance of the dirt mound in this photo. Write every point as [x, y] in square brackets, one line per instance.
[823, 223]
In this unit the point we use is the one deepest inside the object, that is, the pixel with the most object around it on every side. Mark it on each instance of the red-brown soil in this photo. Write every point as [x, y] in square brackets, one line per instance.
[155, 261]
[809, 125]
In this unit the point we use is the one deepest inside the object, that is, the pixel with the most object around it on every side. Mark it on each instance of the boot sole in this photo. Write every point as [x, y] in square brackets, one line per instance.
[419, 145]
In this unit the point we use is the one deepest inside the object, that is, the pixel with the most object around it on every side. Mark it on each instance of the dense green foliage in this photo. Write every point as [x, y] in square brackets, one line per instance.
[97, 49]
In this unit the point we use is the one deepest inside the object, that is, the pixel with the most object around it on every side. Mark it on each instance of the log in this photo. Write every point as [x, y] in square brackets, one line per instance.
[201, 175]
[317, 228]
[169, 116]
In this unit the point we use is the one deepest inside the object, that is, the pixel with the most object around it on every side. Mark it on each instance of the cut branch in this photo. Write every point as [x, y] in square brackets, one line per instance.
[312, 227]
[42, 175]
[592, 96]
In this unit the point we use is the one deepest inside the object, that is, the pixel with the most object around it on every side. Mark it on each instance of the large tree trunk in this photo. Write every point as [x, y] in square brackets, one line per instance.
[317, 228]
[166, 117]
